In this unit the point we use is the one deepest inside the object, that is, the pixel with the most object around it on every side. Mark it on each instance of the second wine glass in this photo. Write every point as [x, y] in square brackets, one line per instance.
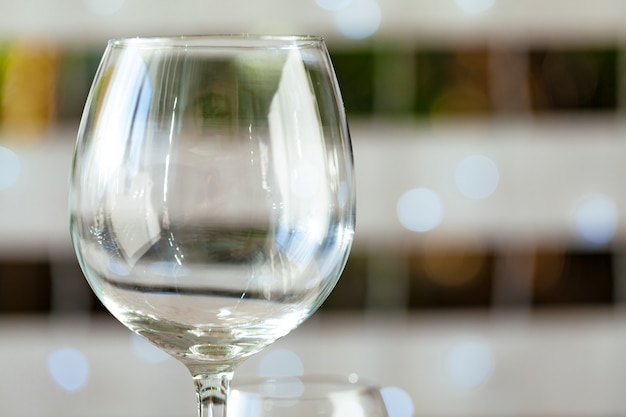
[212, 201]
[307, 396]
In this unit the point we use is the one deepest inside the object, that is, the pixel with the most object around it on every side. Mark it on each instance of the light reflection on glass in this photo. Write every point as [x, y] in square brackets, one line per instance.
[360, 19]
[470, 363]
[239, 404]
[69, 368]
[9, 168]
[475, 6]
[306, 181]
[595, 219]
[477, 177]
[168, 269]
[398, 402]
[420, 210]
[341, 407]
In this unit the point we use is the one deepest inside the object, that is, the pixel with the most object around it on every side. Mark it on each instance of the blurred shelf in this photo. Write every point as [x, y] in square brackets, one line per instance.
[543, 171]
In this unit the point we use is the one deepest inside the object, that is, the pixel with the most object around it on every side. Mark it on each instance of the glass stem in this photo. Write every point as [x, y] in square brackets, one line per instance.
[212, 392]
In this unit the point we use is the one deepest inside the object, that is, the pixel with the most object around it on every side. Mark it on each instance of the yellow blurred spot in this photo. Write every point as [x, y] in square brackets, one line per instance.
[28, 87]
[452, 266]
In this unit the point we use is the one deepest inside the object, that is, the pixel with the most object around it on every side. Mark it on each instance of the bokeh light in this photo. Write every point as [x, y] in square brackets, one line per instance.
[69, 368]
[477, 177]
[470, 363]
[359, 19]
[595, 219]
[281, 362]
[420, 210]
[9, 168]
[453, 268]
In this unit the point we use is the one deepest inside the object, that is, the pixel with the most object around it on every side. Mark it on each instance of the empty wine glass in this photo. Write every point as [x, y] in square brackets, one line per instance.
[306, 396]
[212, 194]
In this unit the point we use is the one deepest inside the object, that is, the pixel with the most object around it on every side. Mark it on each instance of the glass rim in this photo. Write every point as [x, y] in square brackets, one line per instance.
[241, 40]
[322, 384]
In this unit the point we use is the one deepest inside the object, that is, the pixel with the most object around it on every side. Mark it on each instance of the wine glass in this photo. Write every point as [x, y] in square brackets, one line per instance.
[306, 396]
[212, 200]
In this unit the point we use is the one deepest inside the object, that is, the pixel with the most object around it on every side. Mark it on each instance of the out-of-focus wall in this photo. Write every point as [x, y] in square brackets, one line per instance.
[487, 137]
[488, 140]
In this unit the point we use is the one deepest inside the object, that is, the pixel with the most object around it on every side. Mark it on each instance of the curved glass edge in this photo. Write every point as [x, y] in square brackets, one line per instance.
[220, 41]
[322, 383]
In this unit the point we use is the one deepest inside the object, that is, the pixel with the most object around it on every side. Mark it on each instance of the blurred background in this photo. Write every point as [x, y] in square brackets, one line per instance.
[488, 273]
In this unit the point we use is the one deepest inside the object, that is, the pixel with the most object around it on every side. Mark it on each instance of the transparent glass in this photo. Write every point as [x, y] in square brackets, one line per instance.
[212, 198]
[307, 396]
